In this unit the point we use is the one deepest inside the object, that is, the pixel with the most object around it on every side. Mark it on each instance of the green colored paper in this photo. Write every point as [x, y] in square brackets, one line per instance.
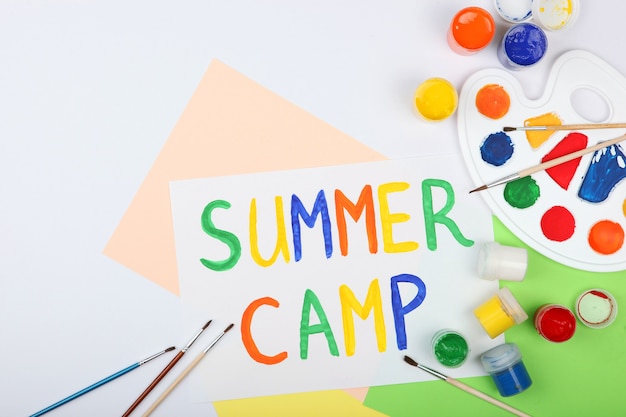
[584, 376]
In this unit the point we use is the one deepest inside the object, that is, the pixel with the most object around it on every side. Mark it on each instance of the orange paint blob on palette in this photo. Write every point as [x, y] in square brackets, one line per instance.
[536, 138]
[606, 237]
[493, 101]
[573, 213]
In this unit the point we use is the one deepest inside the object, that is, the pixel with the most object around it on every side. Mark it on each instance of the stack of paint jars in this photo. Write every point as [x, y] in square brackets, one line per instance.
[523, 45]
[595, 308]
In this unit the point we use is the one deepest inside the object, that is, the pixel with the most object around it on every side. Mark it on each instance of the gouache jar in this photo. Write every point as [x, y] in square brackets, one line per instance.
[500, 313]
[596, 308]
[450, 348]
[514, 11]
[471, 30]
[555, 323]
[522, 46]
[504, 364]
[496, 261]
[435, 99]
[555, 15]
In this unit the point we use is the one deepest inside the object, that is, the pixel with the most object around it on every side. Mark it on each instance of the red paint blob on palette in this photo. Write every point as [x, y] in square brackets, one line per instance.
[558, 224]
[562, 174]
[606, 237]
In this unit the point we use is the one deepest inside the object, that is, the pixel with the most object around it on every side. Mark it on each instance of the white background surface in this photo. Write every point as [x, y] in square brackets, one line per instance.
[89, 92]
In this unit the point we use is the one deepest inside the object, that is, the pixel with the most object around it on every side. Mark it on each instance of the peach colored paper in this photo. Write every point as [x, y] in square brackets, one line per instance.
[231, 125]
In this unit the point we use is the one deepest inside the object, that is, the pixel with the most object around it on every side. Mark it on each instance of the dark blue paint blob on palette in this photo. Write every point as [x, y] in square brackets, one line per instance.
[607, 169]
[496, 149]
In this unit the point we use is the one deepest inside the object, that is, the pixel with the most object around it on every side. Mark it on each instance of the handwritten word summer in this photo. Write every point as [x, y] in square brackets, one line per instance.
[363, 210]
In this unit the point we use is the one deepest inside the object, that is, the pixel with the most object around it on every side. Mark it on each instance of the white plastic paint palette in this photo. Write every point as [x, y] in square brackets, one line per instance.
[558, 223]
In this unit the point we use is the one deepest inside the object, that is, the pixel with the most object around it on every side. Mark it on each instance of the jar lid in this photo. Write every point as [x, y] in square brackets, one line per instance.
[514, 11]
[501, 357]
[496, 261]
[512, 306]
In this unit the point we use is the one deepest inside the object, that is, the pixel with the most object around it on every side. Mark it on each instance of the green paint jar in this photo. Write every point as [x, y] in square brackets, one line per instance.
[450, 348]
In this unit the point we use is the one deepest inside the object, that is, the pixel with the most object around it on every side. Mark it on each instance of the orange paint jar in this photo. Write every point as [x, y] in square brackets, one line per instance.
[471, 30]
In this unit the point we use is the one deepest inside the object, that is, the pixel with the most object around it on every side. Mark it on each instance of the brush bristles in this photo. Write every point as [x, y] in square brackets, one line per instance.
[230, 326]
[481, 188]
[410, 361]
[169, 349]
[509, 129]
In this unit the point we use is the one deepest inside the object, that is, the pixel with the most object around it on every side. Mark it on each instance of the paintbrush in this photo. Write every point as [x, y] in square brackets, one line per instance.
[568, 127]
[466, 388]
[551, 163]
[183, 374]
[164, 372]
[101, 382]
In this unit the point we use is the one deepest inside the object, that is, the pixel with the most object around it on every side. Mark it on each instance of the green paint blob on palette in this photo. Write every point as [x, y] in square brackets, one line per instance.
[574, 213]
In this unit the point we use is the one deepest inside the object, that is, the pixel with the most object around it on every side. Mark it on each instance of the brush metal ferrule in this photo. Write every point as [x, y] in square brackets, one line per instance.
[156, 355]
[503, 180]
[432, 371]
[193, 339]
[534, 128]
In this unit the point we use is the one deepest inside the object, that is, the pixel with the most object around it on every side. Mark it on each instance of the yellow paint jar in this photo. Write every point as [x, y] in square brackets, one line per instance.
[436, 99]
[500, 313]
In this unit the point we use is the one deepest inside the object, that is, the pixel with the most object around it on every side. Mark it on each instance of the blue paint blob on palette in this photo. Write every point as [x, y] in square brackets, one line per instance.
[606, 170]
[591, 190]
[496, 149]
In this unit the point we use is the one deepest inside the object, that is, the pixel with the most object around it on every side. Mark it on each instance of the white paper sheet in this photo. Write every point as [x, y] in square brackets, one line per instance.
[443, 277]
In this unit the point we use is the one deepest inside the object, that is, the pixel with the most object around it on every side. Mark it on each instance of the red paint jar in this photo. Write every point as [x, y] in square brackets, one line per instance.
[555, 323]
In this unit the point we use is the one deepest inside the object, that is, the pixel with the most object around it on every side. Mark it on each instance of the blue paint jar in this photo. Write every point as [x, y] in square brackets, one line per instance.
[522, 46]
[504, 364]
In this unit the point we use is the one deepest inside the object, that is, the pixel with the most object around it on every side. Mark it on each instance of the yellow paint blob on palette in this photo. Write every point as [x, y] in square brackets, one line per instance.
[574, 213]
[536, 138]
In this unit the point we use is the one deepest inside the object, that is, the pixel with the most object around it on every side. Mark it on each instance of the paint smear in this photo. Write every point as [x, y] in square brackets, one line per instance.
[624, 207]
[493, 101]
[558, 224]
[606, 237]
[606, 170]
[537, 137]
[522, 193]
[496, 149]
[562, 174]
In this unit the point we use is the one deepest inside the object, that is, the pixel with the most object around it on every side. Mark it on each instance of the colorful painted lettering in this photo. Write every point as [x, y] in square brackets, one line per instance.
[364, 207]
[222, 235]
[373, 301]
[430, 217]
[306, 329]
